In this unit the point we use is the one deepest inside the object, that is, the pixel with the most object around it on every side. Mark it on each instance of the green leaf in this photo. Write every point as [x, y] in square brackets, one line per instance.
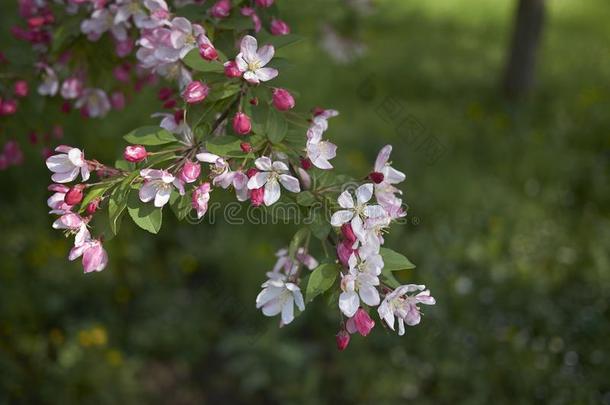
[306, 198]
[394, 261]
[225, 90]
[226, 145]
[320, 228]
[279, 41]
[181, 204]
[276, 127]
[145, 215]
[150, 135]
[196, 62]
[93, 193]
[388, 278]
[118, 202]
[297, 241]
[321, 279]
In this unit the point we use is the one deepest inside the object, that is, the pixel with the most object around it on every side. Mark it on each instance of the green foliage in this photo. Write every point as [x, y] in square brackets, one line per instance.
[144, 215]
[150, 136]
[321, 279]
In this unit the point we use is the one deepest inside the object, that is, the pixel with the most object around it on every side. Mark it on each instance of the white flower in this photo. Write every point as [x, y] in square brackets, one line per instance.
[251, 61]
[50, 82]
[223, 176]
[103, 20]
[158, 185]
[356, 211]
[285, 266]
[385, 192]
[67, 164]
[279, 296]
[155, 14]
[361, 282]
[185, 36]
[403, 307]
[271, 175]
[95, 102]
[320, 153]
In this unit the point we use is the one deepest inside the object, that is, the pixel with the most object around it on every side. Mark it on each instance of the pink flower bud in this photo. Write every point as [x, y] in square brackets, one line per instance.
[348, 233]
[251, 172]
[342, 340]
[208, 52]
[195, 92]
[283, 100]
[165, 93]
[231, 69]
[169, 104]
[241, 123]
[135, 153]
[254, 101]
[21, 88]
[93, 206]
[190, 172]
[122, 72]
[178, 116]
[123, 48]
[8, 107]
[257, 196]
[264, 3]
[12, 152]
[305, 178]
[245, 147]
[376, 177]
[279, 27]
[344, 251]
[221, 9]
[117, 100]
[306, 163]
[361, 322]
[74, 195]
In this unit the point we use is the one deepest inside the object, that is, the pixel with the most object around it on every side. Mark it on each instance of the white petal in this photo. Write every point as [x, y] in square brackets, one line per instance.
[65, 177]
[258, 180]
[266, 74]
[279, 166]
[264, 164]
[349, 303]
[345, 200]
[162, 196]
[288, 310]
[369, 295]
[364, 193]
[148, 191]
[341, 217]
[207, 157]
[265, 54]
[248, 48]
[382, 158]
[374, 211]
[251, 77]
[290, 183]
[272, 192]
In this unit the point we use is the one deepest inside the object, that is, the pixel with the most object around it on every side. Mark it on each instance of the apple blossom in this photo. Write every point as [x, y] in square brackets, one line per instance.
[271, 175]
[283, 100]
[223, 176]
[158, 186]
[71, 88]
[403, 307]
[57, 201]
[75, 195]
[190, 172]
[94, 256]
[21, 88]
[357, 211]
[246, 147]
[185, 36]
[278, 297]
[50, 83]
[251, 61]
[195, 92]
[68, 164]
[200, 199]
[360, 282]
[279, 27]
[207, 51]
[241, 124]
[231, 70]
[95, 102]
[135, 153]
[361, 322]
[387, 177]
[221, 9]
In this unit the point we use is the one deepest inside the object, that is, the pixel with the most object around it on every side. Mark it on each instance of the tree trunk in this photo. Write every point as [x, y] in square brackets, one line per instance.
[520, 68]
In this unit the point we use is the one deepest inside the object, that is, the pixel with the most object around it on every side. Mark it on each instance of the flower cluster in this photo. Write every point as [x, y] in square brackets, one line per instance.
[225, 127]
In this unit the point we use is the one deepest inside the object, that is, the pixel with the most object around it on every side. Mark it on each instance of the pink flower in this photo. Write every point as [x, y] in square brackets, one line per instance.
[221, 9]
[135, 153]
[283, 100]
[231, 69]
[343, 339]
[13, 153]
[21, 88]
[251, 61]
[8, 107]
[158, 186]
[67, 164]
[94, 256]
[361, 322]
[101, 21]
[264, 3]
[185, 36]
[223, 175]
[190, 172]
[241, 123]
[279, 27]
[344, 252]
[271, 175]
[195, 92]
[71, 88]
[348, 233]
[398, 304]
[200, 199]
[123, 48]
[245, 147]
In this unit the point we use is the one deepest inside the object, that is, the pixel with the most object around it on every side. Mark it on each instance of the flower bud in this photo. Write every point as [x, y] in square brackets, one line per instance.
[135, 153]
[342, 340]
[279, 27]
[283, 100]
[169, 104]
[8, 107]
[195, 92]
[122, 72]
[306, 163]
[348, 233]
[264, 3]
[251, 172]
[361, 322]
[231, 69]
[178, 116]
[221, 9]
[21, 88]
[74, 195]
[165, 93]
[344, 251]
[241, 123]
[190, 172]
[305, 178]
[93, 206]
[254, 101]
[246, 147]
[117, 100]
[71, 88]
[208, 52]
[257, 196]
[376, 177]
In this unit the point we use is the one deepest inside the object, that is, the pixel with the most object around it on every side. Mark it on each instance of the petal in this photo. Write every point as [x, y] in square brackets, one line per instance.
[59, 163]
[265, 54]
[288, 310]
[290, 183]
[266, 295]
[148, 191]
[386, 314]
[279, 166]
[374, 211]
[251, 77]
[65, 177]
[393, 176]
[369, 295]
[364, 193]
[258, 180]
[349, 303]
[382, 158]
[248, 48]
[207, 157]
[265, 74]
[162, 196]
[272, 192]
[264, 164]
[358, 228]
[345, 200]
[341, 217]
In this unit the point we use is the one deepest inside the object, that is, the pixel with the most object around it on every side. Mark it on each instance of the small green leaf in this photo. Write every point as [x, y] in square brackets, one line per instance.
[276, 127]
[196, 62]
[321, 279]
[150, 135]
[223, 91]
[181, 204]
[320, 228]
[145, 215]
[394, 261]
[118, 202]
[306, 198]
[297, 241]
[93, 193]
[388, 278]
[226, 145]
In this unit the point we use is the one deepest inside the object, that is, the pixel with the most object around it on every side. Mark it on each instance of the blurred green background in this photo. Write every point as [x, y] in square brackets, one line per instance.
[508, 225]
